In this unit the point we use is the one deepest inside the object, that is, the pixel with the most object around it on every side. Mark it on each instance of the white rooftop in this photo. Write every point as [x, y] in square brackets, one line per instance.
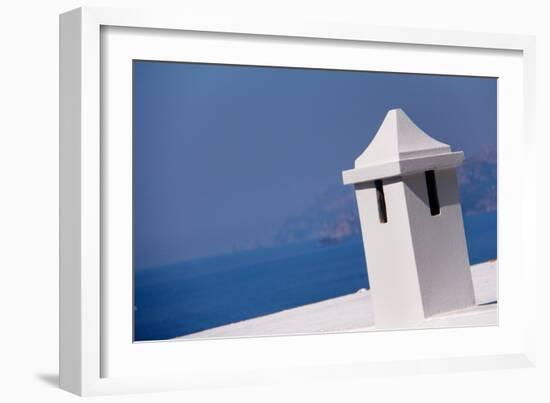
[354, 312]
[400, 147]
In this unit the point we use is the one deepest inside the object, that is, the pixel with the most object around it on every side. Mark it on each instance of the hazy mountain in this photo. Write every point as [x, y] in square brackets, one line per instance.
[333, 215]
[477, 179]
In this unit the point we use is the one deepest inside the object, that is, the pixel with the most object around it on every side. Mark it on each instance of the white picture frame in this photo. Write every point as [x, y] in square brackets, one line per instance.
[97, 357]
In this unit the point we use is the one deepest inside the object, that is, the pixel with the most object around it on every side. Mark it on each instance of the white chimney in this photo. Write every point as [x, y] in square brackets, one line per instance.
[411, 222]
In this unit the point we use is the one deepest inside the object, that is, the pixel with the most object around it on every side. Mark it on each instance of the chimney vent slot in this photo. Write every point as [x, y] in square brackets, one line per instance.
[382, 213]
[432, 193]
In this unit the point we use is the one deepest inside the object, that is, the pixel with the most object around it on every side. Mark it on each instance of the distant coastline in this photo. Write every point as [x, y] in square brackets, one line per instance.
[333, 216]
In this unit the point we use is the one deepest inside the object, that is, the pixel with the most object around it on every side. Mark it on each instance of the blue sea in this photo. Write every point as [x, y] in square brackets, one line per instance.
[191, 296]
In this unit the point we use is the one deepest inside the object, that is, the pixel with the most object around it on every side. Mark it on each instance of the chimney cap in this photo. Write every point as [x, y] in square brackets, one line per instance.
[400, 147]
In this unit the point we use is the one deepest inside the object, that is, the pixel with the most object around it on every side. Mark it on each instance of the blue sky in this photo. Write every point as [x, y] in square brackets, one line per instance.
[223, 155]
